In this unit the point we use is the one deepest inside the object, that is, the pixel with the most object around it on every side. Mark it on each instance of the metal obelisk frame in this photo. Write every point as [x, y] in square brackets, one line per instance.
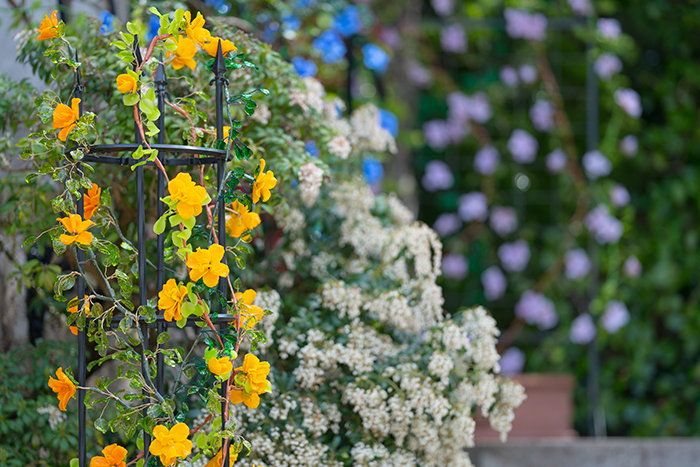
[110, 154]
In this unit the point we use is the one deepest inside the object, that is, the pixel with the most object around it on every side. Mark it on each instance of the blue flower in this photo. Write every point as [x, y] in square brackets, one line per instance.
[270, 32]
[312, 149]
[291, 22]
[330, 45]
[389, 122]
[153, 26]
[375, 58]
[106, 22]
[373, 170]
[300, 4]
[348, 21]
[215, 3]
[305, 68]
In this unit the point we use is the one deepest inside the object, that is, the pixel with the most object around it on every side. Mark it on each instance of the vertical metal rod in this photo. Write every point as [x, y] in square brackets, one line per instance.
[161, 81]
[219, 80]
[80, 282]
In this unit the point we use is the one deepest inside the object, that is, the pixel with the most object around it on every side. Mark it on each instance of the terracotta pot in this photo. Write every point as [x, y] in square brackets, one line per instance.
[546, 413]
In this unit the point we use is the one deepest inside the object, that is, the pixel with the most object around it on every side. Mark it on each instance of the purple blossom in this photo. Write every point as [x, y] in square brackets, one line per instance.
[619, 196]
[556, 161]
[542, 115]
[391, 37]
[419, 75]
[521, 24]
[454, 266]
[629, 145]
[522, 146]
[436, 134]
[462, 108]
[486, 160]
[503, 220]
[632, 267]
[457, 131]
[577, 265]
[494, 282]
[514, 256]
[596, 164]
[447, 224]
[473, 207]
[509, 76]
[453, 39]
[583, 330]
[609, 28]
[443, 7]
[629, 101]
[607, 65]
[438, 176]
[581, 7]
[537, 309]
[615, 316]
[528, 74]
[512, 361]
[605, 228]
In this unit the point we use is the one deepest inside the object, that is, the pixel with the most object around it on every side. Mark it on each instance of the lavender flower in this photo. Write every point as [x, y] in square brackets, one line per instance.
[629, 145]
[456, 131]
[605, 228]
[619, 196]
[473, 207]
[436, 134]
[632, 267]
[447, 224]
[629, 101]
[391, 37]
[581, 7]
[512, 361]
[607, 65]
[528, 74]
[542, 115]
[514, 256]
[438, 176]
[535, 308]
[509, 76]
[454, 266]
[522, 146]
[577, 265]
[521, 24]
[462, 108]
[503, 220]
[419, 75]
[615, 316]
[443, 7]
[486, 160]
[453, 39]
[494, 282]
[596, 164]
[583, 330]
[556, 161]
[609, 29]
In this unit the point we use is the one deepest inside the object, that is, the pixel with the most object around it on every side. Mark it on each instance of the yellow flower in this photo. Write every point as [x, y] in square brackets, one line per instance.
[184, 53]
[213, 44]
[65, 117]
[91, 200]
[195, 29]
[251, 400]
[251, 314]
[241, 220]
[227, 130]
[63, 387]
[74, 309]
[190, 195]
[207, 265]
[127, 83]
[76, 226]
[114, 456]
[170, 300]
[263, 183]
[171, 444]
[217, 460]
[257, 372]
[48, 28]
[220, 366]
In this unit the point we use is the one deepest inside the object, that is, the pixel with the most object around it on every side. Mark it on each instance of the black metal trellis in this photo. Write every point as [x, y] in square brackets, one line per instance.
[109, 154]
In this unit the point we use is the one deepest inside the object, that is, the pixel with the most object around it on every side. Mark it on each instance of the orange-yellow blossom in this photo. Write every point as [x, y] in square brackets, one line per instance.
[220, 366]
[74, 309]
[257, 372]
[250, 314]
[65, 117]
[264, 182]
[113, 456]
[171, 444]
[195, 29]
[77, 228]
[127, 83]
[207, 265]
[184, 53]
[250, 399]
[49, 27]
[170, 300]
[189, 195]
[63, 387]
[91, 200]
[212, 46]
[241, 220]
[217, 460]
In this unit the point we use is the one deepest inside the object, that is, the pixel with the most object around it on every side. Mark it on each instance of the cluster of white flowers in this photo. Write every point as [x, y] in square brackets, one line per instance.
[292, 222]
[310, 180]
[262, 114]
[310, 98]
[287, 446]
[268, 300]
[320, 264]
[54, 413]
[399, 213]
[367, 134]
[345, 300]
[483, 332]
[340, 146]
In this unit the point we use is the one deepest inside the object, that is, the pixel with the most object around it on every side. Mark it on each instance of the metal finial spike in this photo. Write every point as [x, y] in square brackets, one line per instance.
[137, 52]
[161, 79]
[219, 65]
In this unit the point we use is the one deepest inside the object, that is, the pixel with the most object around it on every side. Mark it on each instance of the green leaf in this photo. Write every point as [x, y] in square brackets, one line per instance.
[159, 226]
[132, 28]
[31, 177]
[163, 338]
[119, 44]
[28, 242]
[102, 425]
[110, 252]
[126, 56]
[75, 462]
[131, 99]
